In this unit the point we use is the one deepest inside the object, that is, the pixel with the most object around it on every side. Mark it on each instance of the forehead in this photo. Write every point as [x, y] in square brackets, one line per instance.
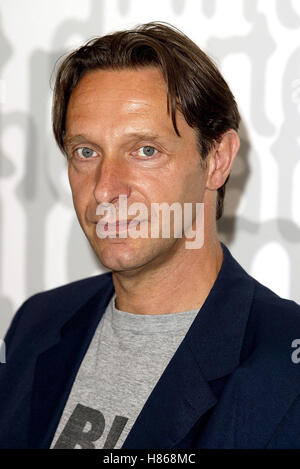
[111, 97]
[114, 87]
[125, 79]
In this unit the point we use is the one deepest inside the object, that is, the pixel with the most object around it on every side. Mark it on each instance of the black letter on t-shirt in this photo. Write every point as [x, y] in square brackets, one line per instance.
[73, 433]
[115, 432]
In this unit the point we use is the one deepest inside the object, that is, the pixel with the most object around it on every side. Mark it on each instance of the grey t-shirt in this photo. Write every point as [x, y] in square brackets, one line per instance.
[125, 359]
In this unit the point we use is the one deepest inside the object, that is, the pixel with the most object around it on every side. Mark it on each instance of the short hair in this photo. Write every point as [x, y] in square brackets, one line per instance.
[194, 84]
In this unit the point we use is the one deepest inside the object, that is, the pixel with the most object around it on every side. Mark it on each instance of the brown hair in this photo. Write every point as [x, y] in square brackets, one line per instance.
[194, 84]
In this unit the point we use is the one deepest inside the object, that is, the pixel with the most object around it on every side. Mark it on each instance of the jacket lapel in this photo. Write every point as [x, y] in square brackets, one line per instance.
[178, 400]
[57, 366]
[210, 350]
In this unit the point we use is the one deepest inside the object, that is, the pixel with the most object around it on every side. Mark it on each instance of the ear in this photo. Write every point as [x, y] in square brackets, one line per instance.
[221, 159]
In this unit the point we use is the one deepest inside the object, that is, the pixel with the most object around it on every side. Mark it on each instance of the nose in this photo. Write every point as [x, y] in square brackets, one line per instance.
[111, 181]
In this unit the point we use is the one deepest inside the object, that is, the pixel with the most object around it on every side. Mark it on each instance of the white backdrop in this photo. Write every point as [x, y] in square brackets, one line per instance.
[256, 44]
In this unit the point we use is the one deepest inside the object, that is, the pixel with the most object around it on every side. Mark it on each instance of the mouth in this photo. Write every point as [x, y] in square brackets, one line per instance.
[118, 226]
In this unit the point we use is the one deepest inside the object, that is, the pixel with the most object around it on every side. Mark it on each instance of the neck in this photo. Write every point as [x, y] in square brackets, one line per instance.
[180, 283]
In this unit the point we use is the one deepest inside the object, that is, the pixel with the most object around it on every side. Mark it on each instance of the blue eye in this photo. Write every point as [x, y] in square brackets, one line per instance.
[85, 152]
[147, 150]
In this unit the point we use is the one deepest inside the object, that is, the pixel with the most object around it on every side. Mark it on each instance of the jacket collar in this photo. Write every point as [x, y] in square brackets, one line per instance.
[211, 349]
[218, 331]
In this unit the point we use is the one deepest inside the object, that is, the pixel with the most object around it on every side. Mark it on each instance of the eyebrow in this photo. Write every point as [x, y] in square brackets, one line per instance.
[68, 140]
[71, 139]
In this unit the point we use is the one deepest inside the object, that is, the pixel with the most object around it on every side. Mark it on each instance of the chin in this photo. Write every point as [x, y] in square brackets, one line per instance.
[119, 255]
[128, 254]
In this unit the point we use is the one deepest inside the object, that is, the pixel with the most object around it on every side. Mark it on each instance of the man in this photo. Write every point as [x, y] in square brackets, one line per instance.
[177, 346]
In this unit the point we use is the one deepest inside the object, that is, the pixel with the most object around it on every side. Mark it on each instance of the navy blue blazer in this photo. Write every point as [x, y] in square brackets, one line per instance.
[232, 382]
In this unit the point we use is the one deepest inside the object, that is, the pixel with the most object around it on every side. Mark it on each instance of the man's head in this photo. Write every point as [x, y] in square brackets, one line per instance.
[150, 87]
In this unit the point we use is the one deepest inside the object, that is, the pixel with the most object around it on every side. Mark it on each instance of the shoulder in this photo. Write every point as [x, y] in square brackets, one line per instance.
[70, 295]
[51, 308]
[267, 379]
[262, 391]
[273, 323]
[272, 331]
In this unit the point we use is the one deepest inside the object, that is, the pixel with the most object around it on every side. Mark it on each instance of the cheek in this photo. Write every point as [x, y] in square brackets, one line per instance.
[188, 178]
[163, 189]
[186, 186]
[194, 181]
[171, 187]
[195, 187]
[80, 191]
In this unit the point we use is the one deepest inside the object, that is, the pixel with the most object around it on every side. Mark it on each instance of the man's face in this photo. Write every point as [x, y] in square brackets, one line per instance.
[121, 141]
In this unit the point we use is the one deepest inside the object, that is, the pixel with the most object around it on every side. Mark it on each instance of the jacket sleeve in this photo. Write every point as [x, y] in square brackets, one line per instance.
[15, 385]
[287, 433]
